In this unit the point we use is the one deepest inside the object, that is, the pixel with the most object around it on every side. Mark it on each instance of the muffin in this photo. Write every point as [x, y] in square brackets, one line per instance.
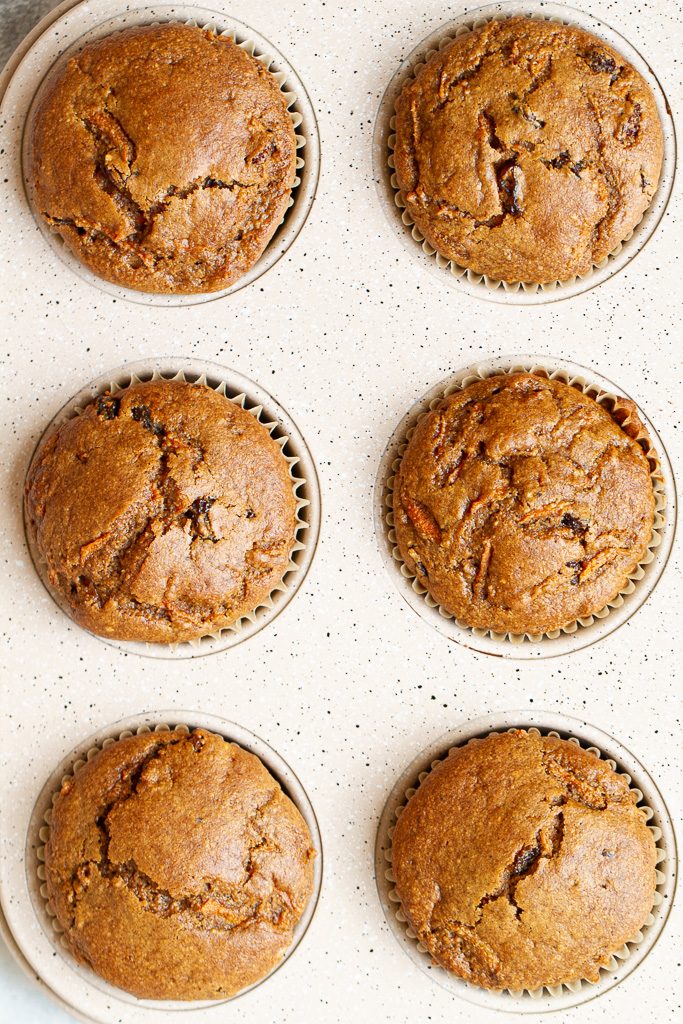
[164, 512]
[177, 867]
[527, 150]
[164, 156]
[522, 505]
[523, 861]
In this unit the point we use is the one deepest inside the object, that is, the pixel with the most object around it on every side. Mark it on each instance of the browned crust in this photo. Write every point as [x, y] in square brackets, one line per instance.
[177, 866]
[164, 512]
[164, 156]
[527, 150]
[521, 505]
[523, 861]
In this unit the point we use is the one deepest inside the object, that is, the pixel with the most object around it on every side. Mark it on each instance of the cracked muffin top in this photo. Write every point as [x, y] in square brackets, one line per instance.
[164, 512]
[522, 861]
[522, 505]
[527, 150]
[177, 867]
[164, 156]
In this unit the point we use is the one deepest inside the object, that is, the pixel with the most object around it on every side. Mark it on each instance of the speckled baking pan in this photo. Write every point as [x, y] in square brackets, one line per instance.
[576, 635]
[75, 985]
[447, 270]
[348, 684]
[627, 959]
[85, 22]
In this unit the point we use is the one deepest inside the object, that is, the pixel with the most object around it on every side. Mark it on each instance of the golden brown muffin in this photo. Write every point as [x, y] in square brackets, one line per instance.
[527, 150]
[164, 512]
[523, 861]
[522, 505]
[177, 867]
[164, 156]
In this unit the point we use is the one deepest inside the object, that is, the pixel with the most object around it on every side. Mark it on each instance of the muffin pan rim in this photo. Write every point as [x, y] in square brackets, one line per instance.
[27, 42]
[309, 502]
[610, 749]
[467, 281]
[21, 914]
[546, 647]
[37, 982]
[307, 132]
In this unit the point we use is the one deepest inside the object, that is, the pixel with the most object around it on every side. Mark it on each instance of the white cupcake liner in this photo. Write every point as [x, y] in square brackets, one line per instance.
[87, 981]
[625, 959]
[76, 34]
[448, 270]
[282, 429]
[582, 631]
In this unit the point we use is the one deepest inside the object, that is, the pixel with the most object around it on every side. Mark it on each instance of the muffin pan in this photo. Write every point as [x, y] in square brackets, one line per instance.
[304, 484]
[84, 23]
[24, 966]
[560, 997]
[578, 634]
[347, 331]
[449, 271]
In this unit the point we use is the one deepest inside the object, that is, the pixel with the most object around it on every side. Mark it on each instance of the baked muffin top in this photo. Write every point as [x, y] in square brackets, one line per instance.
[177, 867]
[164, 512]
[527, 150]
[164, 156]
[523, 861]
[522, 505]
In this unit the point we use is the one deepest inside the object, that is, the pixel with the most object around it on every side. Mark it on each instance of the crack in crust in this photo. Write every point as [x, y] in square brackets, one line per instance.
[115, 156]
[161, 499]
[579, 126]
[217, 906]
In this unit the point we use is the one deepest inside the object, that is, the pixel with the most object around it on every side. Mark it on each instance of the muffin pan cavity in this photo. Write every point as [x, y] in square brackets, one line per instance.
[448, 271]
[83, 24]
[282, 428]
[75, 983]
[560, 997]
[575, 635]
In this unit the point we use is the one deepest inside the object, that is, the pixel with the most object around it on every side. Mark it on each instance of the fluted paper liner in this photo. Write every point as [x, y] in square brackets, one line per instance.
[298, 481]
[283, 80]
[44, 832]
[471, 24]
[621, 413]
[619, 955]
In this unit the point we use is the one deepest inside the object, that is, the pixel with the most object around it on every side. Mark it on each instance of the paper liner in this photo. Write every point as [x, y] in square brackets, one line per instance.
[280, 772]
[470, 23]
[290, 94]
[621, 413]
[620, 955]
[294, 572]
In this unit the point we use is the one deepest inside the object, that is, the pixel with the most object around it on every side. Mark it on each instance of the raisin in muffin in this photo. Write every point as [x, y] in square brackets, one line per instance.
[527, 150]
[164, 512]
[522, 505]
[523, 861]
[164, 156]
[177, 867]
